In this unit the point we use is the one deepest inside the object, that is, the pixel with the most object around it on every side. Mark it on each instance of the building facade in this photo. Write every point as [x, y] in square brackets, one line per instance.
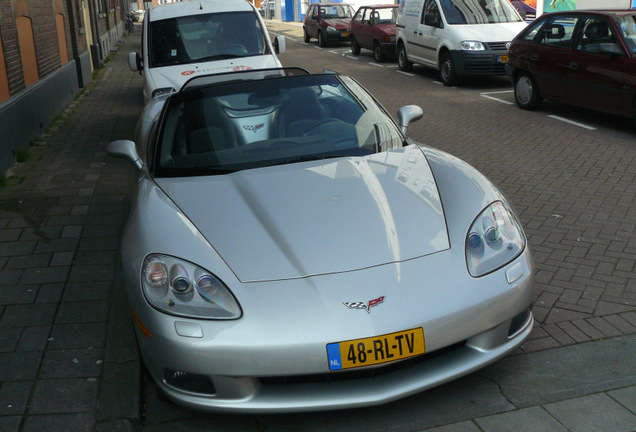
[48, 51]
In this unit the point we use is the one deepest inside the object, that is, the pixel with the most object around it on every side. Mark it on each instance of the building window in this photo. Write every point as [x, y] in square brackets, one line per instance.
[27, 50]
[61, 38]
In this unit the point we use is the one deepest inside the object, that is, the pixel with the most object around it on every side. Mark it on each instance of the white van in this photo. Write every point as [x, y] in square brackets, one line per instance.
[183, 39]
[457, 37]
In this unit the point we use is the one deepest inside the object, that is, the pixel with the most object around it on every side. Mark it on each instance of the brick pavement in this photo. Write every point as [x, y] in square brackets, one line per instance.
[61, 216]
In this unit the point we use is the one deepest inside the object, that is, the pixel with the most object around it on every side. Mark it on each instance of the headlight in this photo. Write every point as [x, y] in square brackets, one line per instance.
[471, 46]
[494, 239]
[162, 91]
[331, 29]
[181, 288]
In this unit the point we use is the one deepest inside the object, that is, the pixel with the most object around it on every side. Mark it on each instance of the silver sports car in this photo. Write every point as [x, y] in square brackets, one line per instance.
[290, 249]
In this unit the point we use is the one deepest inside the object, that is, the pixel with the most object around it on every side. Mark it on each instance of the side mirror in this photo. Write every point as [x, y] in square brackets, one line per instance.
[134, 61]
[407, 115]
[280, 46]
[125, 149]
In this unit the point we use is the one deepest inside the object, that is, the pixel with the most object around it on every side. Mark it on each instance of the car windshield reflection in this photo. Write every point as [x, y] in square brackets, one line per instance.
[227, 127]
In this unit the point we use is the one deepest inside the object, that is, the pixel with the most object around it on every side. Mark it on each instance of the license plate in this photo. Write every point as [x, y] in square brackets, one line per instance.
[375, 350]
[503, 59]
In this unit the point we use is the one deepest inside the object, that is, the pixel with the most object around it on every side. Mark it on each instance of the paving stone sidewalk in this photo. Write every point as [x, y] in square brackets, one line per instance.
[61, 216]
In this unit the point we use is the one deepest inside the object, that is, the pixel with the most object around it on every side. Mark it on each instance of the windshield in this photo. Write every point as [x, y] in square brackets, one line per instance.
[229, 127]
[336, 11]
[205, 37]
[627, 24]
[479, 11]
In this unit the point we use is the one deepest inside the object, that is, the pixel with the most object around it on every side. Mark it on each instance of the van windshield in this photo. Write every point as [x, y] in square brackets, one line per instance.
[206, 37]
[479, 11]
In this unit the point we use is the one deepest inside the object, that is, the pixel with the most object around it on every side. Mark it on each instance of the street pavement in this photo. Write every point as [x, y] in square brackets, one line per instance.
[68, 359]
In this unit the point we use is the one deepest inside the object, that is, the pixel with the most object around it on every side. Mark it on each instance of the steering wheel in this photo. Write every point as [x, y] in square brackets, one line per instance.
[322, 122]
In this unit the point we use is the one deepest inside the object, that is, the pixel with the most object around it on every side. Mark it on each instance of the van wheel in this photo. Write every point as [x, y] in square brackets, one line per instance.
[355, 48]
[378, 54]
[447, 70]
[403, 62]
[527, 92]
[321, 40]
[306, 35]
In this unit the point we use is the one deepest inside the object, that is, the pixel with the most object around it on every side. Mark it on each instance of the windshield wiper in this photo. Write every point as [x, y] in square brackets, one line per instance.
[217, 57]
[307, 158]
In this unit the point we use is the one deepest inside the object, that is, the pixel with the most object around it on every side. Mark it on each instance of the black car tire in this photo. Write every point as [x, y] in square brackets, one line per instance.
[378, 54]
[447, 72]
[403, 61]
[527, 93]
[321, 40]
[306, 35]
[355, 48]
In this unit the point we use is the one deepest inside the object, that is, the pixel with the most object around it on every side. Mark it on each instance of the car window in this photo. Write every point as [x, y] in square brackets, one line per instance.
[430, 8]
[479, 11]
[358, 16]
[314, 12]
[558, 31]
[205, 37]
[597, 37]
[532, 30]
[250, 124]
[627, 24]
[384, 15]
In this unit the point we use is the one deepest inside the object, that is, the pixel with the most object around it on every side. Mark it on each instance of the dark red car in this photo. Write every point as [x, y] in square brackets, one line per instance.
[586, 58]
[373, 27]
[327, 22]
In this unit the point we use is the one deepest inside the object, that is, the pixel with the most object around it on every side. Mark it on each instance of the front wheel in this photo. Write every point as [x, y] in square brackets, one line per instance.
[321, 40]
[378, 54]
[447, 72]
[355, 48]
[527, 92]
[403, 62]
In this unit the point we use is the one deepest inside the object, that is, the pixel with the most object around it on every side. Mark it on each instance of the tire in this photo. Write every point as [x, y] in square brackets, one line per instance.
[527, 93]
[321, 40]
[403, 61]
[378, 54]
[306, 35]
[355, 48]
[447, 72]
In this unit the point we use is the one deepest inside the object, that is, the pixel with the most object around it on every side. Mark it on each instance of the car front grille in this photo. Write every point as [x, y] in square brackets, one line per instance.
[485, 69]
[497, 46]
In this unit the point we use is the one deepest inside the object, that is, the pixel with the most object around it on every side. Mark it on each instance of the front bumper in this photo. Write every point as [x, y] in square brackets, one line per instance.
[337, 36]
[262, 363]
[481, 63]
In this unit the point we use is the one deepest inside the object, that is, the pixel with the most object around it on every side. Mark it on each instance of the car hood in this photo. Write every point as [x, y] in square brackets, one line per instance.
[339, 24]
[176, 76]
[388, 29]
[311, 218]
[495, 32]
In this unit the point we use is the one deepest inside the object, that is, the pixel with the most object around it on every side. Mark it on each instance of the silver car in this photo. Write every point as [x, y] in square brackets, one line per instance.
[290, 249]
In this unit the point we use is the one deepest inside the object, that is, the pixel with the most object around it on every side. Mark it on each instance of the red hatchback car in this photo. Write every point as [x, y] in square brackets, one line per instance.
[327, 22]
[373, 27]
[586, 58]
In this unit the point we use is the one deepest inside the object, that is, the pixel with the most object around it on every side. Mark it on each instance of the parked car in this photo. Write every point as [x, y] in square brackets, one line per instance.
[183, 39]
[457, 37]
[586, 58]
[373, 28]
[287, 249]
[327, 22]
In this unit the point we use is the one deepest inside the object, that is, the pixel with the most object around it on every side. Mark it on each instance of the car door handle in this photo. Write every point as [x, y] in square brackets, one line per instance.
[574, 65]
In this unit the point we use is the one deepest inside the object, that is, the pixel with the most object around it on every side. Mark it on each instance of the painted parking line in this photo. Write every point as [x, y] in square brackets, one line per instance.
[405, 73]
[581, 125]
[376, 64]
[487, 95]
